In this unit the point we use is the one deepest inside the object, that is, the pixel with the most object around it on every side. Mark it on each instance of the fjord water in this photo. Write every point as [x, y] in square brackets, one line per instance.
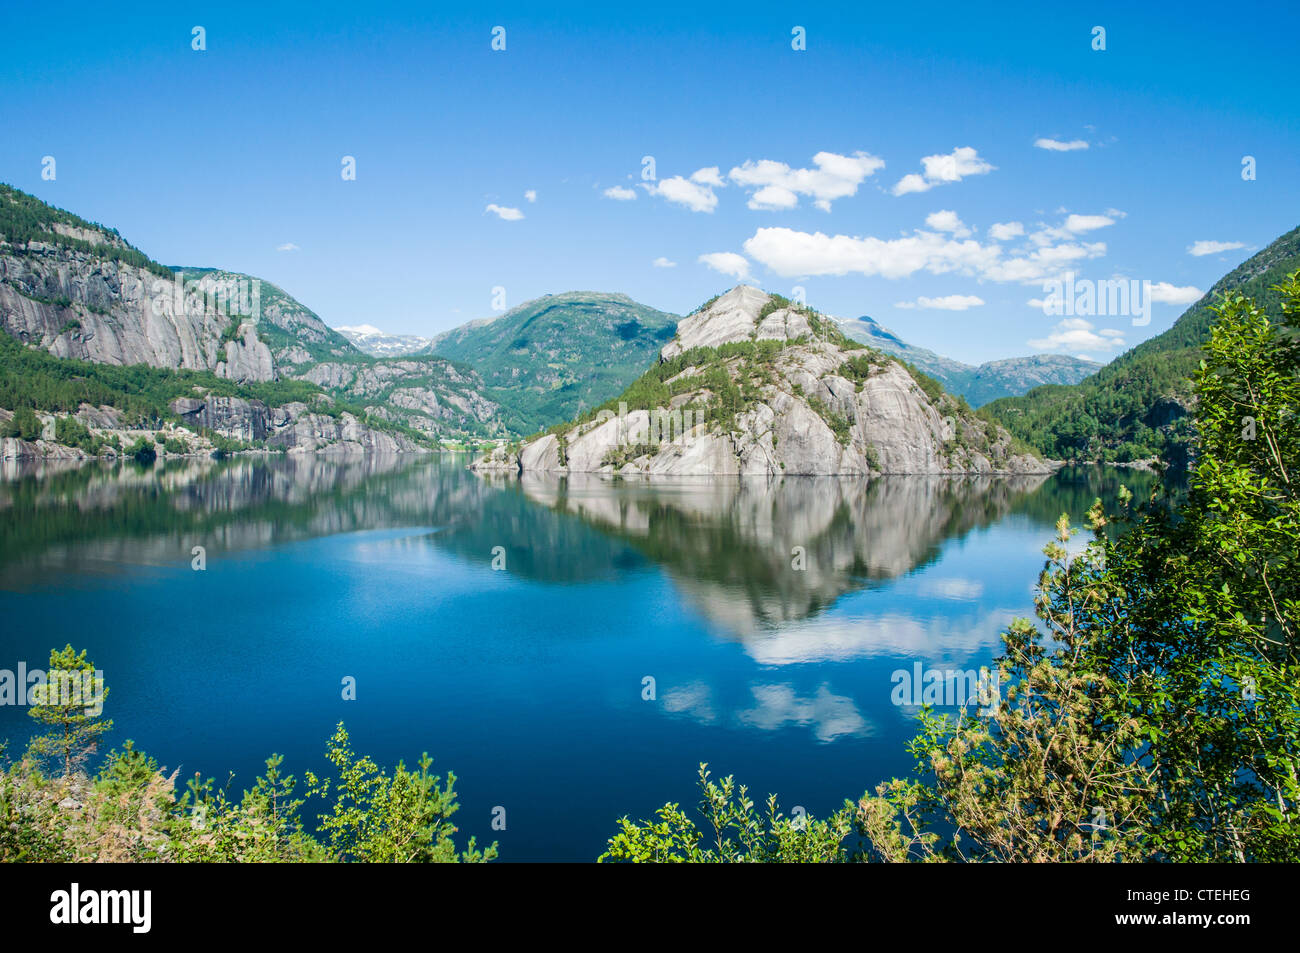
[526, 681]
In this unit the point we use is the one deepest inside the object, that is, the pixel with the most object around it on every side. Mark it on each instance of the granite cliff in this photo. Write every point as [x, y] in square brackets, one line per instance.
[752, 384]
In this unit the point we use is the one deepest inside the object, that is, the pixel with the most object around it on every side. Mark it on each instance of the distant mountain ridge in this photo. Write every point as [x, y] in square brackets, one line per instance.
[548, 359]
[377, 343]
[979, 384]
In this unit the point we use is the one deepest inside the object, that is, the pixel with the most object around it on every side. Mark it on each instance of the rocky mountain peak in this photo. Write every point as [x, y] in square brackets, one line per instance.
[744, 313]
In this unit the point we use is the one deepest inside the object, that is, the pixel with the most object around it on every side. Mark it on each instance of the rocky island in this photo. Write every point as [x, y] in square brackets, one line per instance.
[753, 384]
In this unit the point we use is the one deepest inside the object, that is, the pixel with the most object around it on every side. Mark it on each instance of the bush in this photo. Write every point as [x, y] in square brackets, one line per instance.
[143, 451]
[24, 425]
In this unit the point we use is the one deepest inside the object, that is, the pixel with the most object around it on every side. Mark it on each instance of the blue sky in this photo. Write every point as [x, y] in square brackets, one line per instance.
[224, 157]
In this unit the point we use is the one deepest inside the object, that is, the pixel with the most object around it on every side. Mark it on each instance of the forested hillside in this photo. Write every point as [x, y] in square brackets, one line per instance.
[1138, 406]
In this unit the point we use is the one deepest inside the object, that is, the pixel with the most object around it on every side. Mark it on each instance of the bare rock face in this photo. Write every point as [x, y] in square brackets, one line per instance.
[247, 359]
[75, 304]
[11, 448]
[818, 404]
[294, 426]
[429, 394]
[301, 431]
[95, 298]
[499, 460]
[233, 417]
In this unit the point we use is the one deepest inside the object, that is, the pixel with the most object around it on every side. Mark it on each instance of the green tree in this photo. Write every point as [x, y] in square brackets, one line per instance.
[24, 425]
[1156, 713]
[737, 832]
[70, 704]
[381, 818]
[1172, 640]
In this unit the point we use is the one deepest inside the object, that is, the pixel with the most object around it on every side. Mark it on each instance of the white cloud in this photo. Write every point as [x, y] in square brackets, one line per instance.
[948, 303]
[941, 248]
[694, 700]
[772, 197]
[912, 182]
[1212, 248]
[619, 193]
[944, 169]
[777, 186]
[505, 213]
[727, 262]
[1042, 263]
[662, 262]
[1076, 334]
[947, 221]
[287, 246]
[791, 253]
[1165, 293]
[830, 716]
[1056, 145]
[963, 590]
[1088, 223]
[1005, 231]
[531, 195]
[709, 176]
[695, 195]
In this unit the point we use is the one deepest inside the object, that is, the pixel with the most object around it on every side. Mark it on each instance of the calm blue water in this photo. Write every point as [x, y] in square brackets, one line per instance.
[526, 682]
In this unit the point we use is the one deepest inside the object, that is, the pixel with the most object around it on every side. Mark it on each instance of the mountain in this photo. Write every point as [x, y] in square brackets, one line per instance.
[1138, 406]
[978, 384]
[550, 358]
[370, 340]
[753, 384]
[211, 350]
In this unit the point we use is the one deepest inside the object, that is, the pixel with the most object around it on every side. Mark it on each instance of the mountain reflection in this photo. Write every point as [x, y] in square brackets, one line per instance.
[752, 556]
[756, 553]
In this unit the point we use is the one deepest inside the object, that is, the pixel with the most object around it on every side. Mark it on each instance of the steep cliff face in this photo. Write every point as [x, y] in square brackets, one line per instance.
[754, 385]
[77, 290]
[79, 304]
[430, 394]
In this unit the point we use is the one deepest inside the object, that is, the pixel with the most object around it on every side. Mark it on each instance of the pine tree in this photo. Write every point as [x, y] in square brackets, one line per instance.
[70, 704]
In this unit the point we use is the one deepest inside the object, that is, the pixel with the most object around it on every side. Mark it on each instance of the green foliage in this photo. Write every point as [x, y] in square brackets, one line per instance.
[1156, 714]
[736, 832]
[1164, 696]
[71, 432]
[25, 218]
[860, 367]
[24, 425]
[34, 378]
[840, 425]
[129, 811]
[399, 818]
[932, 388]
[69, 705]
[142, 451]
[753, 361]
[621, 455]
[551, 358]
